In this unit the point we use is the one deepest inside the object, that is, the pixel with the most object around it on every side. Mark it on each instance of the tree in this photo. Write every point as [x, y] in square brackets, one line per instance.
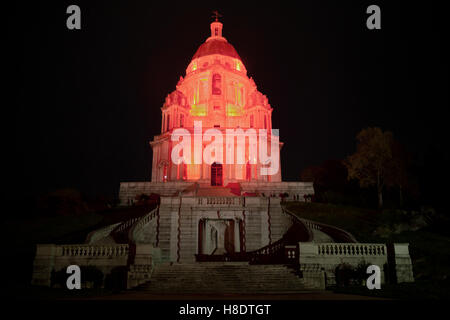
[330, 181]
[397, 173]
[371, 162]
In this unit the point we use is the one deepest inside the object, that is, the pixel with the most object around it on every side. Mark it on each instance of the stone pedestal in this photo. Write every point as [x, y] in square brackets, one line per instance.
[43, 264]
[401, 262]
[141, 270]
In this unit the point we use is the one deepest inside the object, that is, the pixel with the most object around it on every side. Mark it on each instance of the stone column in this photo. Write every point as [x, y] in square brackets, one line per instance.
[141, 269]
[402, 262]
[44, 263]
[237, 243]
[310, 266]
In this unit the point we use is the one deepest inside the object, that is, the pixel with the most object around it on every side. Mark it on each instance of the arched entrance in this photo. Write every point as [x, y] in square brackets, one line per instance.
[216, 174]
[216, 237]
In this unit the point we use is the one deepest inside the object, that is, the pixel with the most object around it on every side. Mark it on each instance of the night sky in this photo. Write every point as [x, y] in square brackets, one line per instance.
[89, 100]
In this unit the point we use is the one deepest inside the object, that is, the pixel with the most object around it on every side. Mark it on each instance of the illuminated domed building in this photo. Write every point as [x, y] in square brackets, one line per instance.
[221, 197]
[217, 94]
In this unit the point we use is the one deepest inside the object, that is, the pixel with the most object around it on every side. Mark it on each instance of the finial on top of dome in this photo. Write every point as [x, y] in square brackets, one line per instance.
[216, 15]
[216, 26]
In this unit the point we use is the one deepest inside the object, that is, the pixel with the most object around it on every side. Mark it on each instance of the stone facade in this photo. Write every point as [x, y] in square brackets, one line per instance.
[216, 93]
[255, 223]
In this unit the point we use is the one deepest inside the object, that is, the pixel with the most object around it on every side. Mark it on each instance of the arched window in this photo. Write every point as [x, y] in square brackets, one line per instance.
[216, 84]
[251, 121]
[168, 123]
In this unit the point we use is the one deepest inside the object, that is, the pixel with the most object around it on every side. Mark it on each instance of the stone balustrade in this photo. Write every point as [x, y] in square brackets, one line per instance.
[351, 249]
[146, 224]
[311, 225]
[146, 219]
[86, 250]
[126, 224]
[102, 233]
[219, 201]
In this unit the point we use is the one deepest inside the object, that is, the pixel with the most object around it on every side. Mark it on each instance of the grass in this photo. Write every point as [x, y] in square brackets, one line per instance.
[429, 250]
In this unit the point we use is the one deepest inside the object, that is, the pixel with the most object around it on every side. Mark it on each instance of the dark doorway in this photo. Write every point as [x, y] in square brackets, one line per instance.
[216, 174]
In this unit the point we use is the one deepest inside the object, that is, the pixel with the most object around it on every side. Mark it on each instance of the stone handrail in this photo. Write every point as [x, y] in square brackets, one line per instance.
[146, 219]
[101, 233]
[335, 232]
[143, 221]
[80, 250]
[302, 222]
[311, 224]
[351, 249]
[126, 224]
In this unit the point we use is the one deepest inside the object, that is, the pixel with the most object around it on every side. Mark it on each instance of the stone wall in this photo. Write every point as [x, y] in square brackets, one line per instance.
[129, 190]
[295, 190]
[326, 257]
[139, 260]
[177, 232]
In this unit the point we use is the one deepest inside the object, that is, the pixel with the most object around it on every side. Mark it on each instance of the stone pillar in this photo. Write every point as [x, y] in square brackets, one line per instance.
[144, 260]
[237, 240]
[399, 257]
[44, 263]
[308, 252]
[310, 265]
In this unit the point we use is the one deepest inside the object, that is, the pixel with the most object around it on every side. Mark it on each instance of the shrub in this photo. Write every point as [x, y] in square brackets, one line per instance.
[347, 275]
[91, 274]
[344, 274]
[116, 280]
[360, 274]
[58, 278]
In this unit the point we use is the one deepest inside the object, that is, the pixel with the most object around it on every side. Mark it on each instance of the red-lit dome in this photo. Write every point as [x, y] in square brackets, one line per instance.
[216, 46]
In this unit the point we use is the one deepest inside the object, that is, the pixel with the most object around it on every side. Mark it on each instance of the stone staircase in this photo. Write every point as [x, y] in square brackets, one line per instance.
[223, 278]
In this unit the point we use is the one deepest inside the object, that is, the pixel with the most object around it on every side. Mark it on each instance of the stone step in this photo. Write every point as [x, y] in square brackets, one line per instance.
[223, 277]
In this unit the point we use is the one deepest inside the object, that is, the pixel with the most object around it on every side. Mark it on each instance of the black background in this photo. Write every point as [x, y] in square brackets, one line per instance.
[89, 100]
